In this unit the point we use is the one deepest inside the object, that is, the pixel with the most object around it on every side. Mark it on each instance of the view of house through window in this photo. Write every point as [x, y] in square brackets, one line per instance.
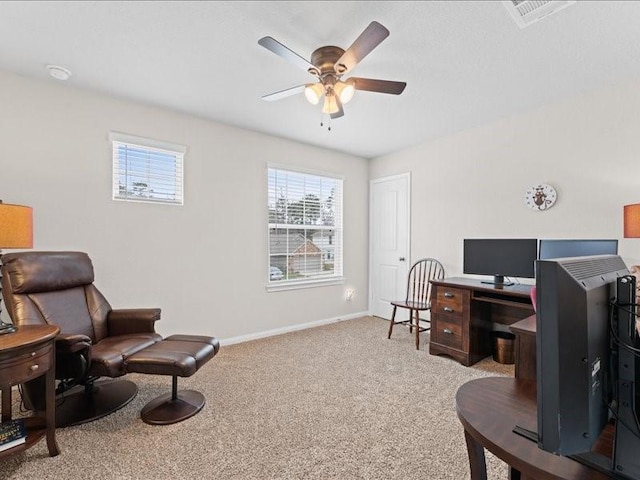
[305, 227]
[147, 170]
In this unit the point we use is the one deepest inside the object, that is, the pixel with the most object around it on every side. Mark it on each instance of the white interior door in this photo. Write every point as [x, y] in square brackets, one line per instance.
[389, 243]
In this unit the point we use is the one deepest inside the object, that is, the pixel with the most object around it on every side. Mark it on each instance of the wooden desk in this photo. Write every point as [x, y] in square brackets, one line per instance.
[24, 355]
[489, 409]
[525, 332]
[464, 311]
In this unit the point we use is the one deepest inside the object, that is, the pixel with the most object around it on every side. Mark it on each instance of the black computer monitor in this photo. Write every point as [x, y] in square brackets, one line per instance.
[500, 257]
[565, 248]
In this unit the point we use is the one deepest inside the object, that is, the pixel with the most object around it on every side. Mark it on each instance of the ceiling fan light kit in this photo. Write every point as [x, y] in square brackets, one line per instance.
[328, 64]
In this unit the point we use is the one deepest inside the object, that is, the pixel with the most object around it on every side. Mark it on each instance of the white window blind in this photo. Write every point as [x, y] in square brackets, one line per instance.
[147, 170]
[305, 227]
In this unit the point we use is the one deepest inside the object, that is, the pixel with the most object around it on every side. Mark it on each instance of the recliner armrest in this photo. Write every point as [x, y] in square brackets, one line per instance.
[72, 342]
[132, 320]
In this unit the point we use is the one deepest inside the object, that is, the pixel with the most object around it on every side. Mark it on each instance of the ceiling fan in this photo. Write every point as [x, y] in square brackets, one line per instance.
[328, 64]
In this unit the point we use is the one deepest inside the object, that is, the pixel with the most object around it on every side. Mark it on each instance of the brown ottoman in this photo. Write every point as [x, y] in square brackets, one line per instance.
[178, 356]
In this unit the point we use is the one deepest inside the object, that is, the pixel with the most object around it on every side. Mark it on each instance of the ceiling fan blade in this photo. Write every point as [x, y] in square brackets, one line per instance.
[380, 86]
[283, 93]
[340, 111]
[372, 36]
[289, 55]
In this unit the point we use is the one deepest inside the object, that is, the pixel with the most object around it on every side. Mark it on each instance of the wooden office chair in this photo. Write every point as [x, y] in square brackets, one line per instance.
[418, 297]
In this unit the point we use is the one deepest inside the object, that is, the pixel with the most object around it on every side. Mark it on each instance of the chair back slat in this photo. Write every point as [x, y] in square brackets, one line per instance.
[420, 275]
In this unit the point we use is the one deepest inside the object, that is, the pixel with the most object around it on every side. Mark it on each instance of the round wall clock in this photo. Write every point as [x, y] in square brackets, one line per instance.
[540, 197]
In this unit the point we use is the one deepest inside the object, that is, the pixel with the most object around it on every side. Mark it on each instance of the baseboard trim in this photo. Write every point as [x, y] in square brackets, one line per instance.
[292, 328]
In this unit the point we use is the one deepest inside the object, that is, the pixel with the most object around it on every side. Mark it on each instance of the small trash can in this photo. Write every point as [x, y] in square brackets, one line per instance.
[504, 347]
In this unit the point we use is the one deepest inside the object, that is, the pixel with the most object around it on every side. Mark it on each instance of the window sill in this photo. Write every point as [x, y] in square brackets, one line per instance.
[277, 287]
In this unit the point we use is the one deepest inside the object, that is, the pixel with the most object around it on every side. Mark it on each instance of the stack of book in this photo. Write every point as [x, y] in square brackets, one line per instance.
[12, 434]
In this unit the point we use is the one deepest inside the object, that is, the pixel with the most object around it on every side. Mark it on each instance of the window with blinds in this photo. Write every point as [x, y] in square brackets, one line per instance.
[305, 228]
[146, 170]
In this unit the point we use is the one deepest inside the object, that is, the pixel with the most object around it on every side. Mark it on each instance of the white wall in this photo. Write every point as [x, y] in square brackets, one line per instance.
[472, 184]
[204, 264]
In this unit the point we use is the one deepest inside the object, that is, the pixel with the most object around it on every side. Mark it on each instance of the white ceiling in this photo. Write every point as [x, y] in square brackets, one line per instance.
[465, 63]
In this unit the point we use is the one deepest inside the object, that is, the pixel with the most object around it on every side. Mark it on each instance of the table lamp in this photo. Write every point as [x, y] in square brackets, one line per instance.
[632, 221]
[16, 231]
[632, 230]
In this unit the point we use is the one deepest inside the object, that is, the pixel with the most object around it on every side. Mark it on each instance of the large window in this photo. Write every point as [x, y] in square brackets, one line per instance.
[146, 170]
[305, 228]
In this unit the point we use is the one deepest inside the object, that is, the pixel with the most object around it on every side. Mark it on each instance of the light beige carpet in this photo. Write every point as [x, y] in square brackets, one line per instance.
[335, 402]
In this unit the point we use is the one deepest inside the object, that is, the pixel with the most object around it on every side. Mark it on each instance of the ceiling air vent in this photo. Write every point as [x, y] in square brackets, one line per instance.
[526, 12]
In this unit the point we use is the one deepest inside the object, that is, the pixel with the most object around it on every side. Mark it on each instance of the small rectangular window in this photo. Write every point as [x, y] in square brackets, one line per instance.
[305, 228]
[146, 170]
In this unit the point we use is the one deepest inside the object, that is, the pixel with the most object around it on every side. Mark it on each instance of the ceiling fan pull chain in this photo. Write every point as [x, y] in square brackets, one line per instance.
[328, 121]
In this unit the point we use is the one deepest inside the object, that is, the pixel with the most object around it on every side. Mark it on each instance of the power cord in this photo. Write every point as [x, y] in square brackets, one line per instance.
[614, 305]
[614, 334]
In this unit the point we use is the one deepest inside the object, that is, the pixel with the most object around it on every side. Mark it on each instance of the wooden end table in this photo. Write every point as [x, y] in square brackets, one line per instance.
[24, 355]
[489, 409]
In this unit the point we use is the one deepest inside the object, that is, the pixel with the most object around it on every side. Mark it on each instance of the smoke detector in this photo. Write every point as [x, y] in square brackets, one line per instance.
[59, 73]
[526, 12]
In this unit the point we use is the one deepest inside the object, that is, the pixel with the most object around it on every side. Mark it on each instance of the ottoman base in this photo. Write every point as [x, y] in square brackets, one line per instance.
[166, 409]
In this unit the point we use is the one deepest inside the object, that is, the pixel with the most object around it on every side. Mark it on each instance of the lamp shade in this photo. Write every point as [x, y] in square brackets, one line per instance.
[16, 226]
[632, 221]
[330, 104]
[313, 92]
[345, 90]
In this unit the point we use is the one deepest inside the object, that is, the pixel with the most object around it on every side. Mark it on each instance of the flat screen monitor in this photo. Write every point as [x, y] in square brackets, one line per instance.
[561, 248]
[500, 257]
[574, 389]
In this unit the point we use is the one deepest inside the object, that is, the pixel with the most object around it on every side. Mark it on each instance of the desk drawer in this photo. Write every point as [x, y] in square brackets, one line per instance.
[448, 332]
[26, 365]
[450, 300]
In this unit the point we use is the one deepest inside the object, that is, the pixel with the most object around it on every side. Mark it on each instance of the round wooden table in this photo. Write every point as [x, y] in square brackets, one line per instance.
[26, 354]
[489, 409]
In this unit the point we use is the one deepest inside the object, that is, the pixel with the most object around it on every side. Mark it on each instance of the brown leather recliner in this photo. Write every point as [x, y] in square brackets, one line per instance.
[94, 340]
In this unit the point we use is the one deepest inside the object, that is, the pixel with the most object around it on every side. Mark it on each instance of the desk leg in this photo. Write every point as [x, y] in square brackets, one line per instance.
[6, 403]
[476, 458]
[50, 395]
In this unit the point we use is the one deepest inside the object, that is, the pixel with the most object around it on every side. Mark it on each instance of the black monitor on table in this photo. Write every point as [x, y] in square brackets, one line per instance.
[500, 257]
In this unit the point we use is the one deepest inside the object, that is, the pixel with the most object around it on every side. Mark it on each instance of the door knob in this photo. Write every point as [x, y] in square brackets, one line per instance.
[401, 259]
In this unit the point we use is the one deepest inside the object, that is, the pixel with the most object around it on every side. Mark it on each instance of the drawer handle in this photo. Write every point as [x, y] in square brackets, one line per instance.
[448, 309]
[447, 331]
[34, 367]
[448, 295]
